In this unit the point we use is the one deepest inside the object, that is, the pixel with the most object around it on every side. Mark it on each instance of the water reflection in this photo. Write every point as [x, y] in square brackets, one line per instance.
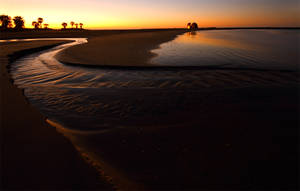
[236, 48]
[191, 34]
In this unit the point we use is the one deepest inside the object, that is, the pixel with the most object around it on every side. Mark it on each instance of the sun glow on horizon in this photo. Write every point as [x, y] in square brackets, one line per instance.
[105, 14]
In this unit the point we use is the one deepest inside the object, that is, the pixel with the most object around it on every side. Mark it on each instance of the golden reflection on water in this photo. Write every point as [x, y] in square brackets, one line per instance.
[209, 38]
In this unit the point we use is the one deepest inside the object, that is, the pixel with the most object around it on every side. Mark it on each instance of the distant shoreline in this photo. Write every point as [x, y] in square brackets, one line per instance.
[144, 29]
[56, 33]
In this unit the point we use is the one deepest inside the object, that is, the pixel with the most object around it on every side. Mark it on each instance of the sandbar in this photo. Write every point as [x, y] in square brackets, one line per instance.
[123, 50]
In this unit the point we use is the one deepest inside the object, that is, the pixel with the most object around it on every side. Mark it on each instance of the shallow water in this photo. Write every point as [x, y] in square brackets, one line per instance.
[256, 49]
[95, 99]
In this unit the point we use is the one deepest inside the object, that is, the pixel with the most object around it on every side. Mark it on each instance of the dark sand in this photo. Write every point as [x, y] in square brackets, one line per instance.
[239, 138]
[126, 49]
[33, 154]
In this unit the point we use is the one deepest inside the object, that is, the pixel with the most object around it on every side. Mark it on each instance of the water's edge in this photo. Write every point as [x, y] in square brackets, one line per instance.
[100, 168]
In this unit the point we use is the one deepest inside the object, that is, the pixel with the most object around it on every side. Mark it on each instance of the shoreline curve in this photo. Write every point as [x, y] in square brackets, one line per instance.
[48, 159]
[118, 50]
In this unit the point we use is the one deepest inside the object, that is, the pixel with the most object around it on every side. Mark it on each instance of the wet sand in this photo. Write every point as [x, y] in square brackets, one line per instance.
[33, 154]
[230, 139]
[125, 49]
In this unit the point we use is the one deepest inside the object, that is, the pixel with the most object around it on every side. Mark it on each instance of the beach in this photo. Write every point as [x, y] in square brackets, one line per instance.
[235, 135]
[125, 49]
[33, 154]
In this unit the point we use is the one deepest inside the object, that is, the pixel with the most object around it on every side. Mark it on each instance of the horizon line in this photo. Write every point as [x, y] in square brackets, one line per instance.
[235, 27]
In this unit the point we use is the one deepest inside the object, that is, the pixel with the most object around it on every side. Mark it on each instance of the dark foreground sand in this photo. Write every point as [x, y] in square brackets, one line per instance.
[34, 155]
[236, 139]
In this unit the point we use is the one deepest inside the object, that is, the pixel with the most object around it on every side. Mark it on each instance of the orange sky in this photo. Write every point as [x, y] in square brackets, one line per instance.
[111, 14]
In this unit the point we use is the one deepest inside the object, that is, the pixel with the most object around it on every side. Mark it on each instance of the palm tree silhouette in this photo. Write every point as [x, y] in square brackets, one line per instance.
[19, 22]
[64, 25]
[72, 23]
[46, 26]
[76, 25]
[81, 25]
[40, 21]
[35, 24]
[5, 21]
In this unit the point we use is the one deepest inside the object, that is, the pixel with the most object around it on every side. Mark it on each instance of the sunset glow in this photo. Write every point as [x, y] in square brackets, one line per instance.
[105, 14]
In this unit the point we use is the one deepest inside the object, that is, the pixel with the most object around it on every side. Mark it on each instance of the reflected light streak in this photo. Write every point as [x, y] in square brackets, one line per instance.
[210, 39]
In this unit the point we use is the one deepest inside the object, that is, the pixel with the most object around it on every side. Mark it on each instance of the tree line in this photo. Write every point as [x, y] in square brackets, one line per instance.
[6, 22]
[72, 23]
[18, 23]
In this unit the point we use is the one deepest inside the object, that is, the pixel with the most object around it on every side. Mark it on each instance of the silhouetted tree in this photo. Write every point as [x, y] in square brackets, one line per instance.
[72, 23]
[194, 26]
[5, 21]
[40, 21]
[81, 25]
[19, 22]
[35, 24]
[76, 25]
[64, 25]
[46, 26]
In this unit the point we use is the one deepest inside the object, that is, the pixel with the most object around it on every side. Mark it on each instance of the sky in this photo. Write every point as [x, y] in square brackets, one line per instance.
[121, 14]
